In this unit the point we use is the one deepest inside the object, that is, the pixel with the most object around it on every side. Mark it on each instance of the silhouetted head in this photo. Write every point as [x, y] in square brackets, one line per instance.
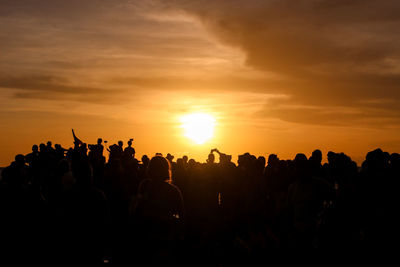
[20, 159]
[99, 141]
[145, 159]
[159, 169]
[376, 154]
[261, 161]
[185, 159]
[377, 160]
[300, 157]
[192, 163]
[35, 148]
[241, 159]
[317, 156]
[130, 142]
[272, 159]
[120, 143]
[169, 157]
[49, 144]
[331, 156]
[211, 158]
[301, 165]
[42, 147]
[179, 162]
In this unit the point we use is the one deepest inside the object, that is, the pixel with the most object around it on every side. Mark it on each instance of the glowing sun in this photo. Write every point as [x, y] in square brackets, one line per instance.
[198, 127]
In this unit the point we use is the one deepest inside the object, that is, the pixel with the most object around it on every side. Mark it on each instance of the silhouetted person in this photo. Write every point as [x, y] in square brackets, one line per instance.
[316, 157]
[59, 152]
[185, 161]
[231, 212]
[17, 174]
[211, 158]
[97, 150]
[129, 151]
[50, 148]
[115, 152]
[32, 157]
[315, 162]
[33, 161]
[121, 146]
[158, 211]
[143, 167]
[83, 214]
[306, 198]
[97, 160]
[100, 146]
[170, 158]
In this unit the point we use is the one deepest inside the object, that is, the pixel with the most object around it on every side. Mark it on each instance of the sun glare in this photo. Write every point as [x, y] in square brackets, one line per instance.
[198, 127]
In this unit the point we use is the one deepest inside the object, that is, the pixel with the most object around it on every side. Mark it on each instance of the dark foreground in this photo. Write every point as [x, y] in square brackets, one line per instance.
[71, 206]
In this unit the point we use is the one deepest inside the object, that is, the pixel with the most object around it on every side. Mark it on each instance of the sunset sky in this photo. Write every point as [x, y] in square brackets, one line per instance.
[278, 76]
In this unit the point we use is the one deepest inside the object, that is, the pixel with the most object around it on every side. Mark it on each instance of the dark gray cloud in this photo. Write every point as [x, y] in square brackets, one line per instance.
[371, 114]
[335, 53]
[53, 87]
[292, 35]
[54, 9]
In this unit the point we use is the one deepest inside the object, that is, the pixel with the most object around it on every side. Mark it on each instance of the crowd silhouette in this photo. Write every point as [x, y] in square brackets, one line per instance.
[71, 205]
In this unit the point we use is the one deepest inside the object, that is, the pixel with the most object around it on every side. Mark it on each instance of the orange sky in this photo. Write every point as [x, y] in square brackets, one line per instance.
[279, 76]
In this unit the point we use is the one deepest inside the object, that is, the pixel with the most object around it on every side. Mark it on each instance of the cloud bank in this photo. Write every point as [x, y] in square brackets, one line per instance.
[331, 53]
[337, 62]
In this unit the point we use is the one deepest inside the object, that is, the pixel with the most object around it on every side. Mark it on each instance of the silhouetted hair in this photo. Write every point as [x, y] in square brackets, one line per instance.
[211, 158]
[317, 155]
[20, 159]
[159, 169]
[145, 159]
[272, 158]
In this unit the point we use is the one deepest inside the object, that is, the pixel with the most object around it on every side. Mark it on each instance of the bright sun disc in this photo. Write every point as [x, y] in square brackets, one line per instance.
[198, 127]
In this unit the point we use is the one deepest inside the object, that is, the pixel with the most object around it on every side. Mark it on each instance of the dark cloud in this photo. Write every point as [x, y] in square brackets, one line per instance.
[54, 9]
[52, 87]
[334, 52]
[370, 114]
[289, 35]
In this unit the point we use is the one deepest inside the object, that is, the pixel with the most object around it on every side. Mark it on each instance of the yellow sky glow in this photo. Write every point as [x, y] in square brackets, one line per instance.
[143, 70]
